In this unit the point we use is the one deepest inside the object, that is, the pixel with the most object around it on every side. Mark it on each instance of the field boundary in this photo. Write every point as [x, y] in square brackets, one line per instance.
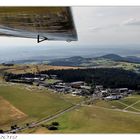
[133, 105]
[128, 106]
[120, 110]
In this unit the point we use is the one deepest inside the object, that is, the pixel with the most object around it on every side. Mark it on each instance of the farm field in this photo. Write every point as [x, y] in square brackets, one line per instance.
[101, 117]
[90, 119]
[131, 103]
[9, 113]
[31, 68]
[34, 103]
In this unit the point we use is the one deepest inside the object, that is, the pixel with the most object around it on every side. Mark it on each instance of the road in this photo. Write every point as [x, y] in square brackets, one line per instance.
[58, 114]
[46, 119]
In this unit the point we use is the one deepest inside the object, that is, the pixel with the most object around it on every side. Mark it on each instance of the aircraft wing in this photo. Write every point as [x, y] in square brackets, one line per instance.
[53, 23]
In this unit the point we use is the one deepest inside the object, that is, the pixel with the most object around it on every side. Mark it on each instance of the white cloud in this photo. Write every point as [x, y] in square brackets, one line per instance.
[132, 21]
[103, 28]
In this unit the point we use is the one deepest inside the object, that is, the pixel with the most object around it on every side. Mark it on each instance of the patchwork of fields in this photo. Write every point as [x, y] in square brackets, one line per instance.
[31, 68]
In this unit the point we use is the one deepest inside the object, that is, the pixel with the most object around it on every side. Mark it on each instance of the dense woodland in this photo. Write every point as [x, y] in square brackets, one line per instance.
[108, 77]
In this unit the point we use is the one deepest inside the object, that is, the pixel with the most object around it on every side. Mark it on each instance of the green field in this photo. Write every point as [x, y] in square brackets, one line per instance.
[100, 117]
[90, 119]
[110, 63]
[23, 103]
[51, 81]
[126, 102]
[31, 68]
[8, 113]
[35, 103]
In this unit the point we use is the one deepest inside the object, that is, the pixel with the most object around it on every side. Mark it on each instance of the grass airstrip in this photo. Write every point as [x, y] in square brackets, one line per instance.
[100, 117]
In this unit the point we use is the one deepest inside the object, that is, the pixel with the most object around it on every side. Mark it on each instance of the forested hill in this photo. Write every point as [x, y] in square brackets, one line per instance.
[108, 77]
[93, 61]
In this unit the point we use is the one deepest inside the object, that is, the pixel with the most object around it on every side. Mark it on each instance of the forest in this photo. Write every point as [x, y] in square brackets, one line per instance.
[108, 77]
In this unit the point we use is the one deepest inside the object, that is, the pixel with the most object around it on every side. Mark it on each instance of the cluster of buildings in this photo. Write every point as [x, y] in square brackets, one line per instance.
[111, 94]
[75, 88]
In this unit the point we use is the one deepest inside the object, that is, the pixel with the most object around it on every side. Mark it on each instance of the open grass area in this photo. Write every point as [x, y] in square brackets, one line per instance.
[91, 119]
[101, 117]
[36, 104]
[126, 102]
[24, 103]
[51, 81]
[137, 106]
[31, 68]
[130, 100]
[9, 113]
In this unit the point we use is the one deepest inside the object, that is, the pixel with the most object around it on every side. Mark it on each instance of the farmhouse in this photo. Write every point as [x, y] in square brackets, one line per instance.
[77, 84]
[85, 87]
[113, 97]
[121, 90]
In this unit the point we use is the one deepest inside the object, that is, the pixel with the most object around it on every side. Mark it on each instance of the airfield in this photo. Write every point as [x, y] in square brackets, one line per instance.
[31, 104]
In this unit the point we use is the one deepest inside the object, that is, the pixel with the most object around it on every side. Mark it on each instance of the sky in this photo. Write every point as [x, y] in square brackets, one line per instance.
[108, 25]
[96, 26]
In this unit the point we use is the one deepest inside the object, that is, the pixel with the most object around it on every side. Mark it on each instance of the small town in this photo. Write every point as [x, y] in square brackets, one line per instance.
[77, 88]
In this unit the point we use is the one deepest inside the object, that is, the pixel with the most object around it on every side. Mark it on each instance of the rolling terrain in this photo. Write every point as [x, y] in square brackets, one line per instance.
[99, 117]
[31, 68]
[30, 103]
[9, 113]
[109, 60]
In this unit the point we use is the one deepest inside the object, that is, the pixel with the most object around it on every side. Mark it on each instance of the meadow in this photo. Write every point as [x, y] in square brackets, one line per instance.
[35, 104]
[91, 119]
[99, 117]
[31, 68]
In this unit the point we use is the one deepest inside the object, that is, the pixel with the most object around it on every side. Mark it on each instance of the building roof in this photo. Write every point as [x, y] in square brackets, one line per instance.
[78, 82]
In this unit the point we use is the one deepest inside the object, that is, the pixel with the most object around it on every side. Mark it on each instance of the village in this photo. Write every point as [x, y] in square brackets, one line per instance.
[77, 88]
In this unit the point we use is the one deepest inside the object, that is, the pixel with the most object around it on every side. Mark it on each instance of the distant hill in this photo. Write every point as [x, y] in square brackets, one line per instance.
[81, 61]
[132, 59]
[105, 60]
[114, 57]
[71, 61]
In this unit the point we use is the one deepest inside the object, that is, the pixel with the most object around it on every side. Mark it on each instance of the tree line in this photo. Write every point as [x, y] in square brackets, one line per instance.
[108, 77]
